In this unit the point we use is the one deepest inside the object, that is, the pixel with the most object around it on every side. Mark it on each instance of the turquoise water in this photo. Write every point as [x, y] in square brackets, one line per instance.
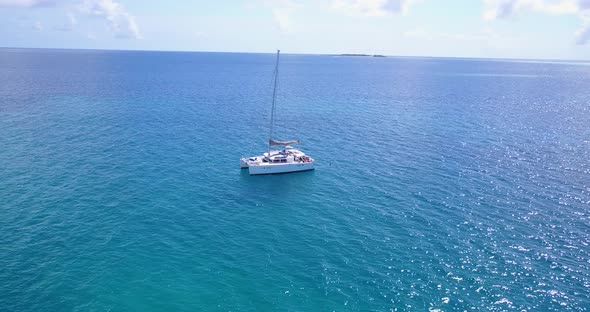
[441, 184]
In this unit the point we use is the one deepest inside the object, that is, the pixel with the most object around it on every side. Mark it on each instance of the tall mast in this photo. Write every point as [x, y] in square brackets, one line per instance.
[274, 97]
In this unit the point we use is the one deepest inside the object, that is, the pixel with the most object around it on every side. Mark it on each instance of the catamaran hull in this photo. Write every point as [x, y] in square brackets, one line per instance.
[279, 168]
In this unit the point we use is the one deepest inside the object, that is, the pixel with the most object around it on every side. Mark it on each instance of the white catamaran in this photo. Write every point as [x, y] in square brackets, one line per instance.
[285, 160]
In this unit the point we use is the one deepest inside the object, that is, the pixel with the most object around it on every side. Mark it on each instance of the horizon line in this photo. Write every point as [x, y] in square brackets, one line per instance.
[319, 54]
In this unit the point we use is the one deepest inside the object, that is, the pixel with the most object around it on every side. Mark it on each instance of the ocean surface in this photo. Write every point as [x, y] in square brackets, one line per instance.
[440, 184]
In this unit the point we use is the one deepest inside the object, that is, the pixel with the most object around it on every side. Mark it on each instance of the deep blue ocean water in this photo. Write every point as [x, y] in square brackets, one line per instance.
[441, 184]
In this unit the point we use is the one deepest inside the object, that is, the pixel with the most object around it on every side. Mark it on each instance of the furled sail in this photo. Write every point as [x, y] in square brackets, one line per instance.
[272, 142]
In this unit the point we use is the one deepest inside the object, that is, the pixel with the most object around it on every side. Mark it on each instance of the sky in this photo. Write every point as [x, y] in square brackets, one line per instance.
[529, 29]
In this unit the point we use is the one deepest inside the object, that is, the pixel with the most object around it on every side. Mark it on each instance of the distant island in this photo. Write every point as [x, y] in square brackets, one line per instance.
[353, 54]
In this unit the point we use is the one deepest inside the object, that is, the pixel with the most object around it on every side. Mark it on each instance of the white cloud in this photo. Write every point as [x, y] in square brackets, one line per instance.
[27, 3]
[373, 7]
[485, 36]
[583, 34]
[71, 21]
[282, 18]
[496, 9]
[499, 9]
[584, 4]
[37, 26]
[281, 10]
[416, 33]
[121, 23]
